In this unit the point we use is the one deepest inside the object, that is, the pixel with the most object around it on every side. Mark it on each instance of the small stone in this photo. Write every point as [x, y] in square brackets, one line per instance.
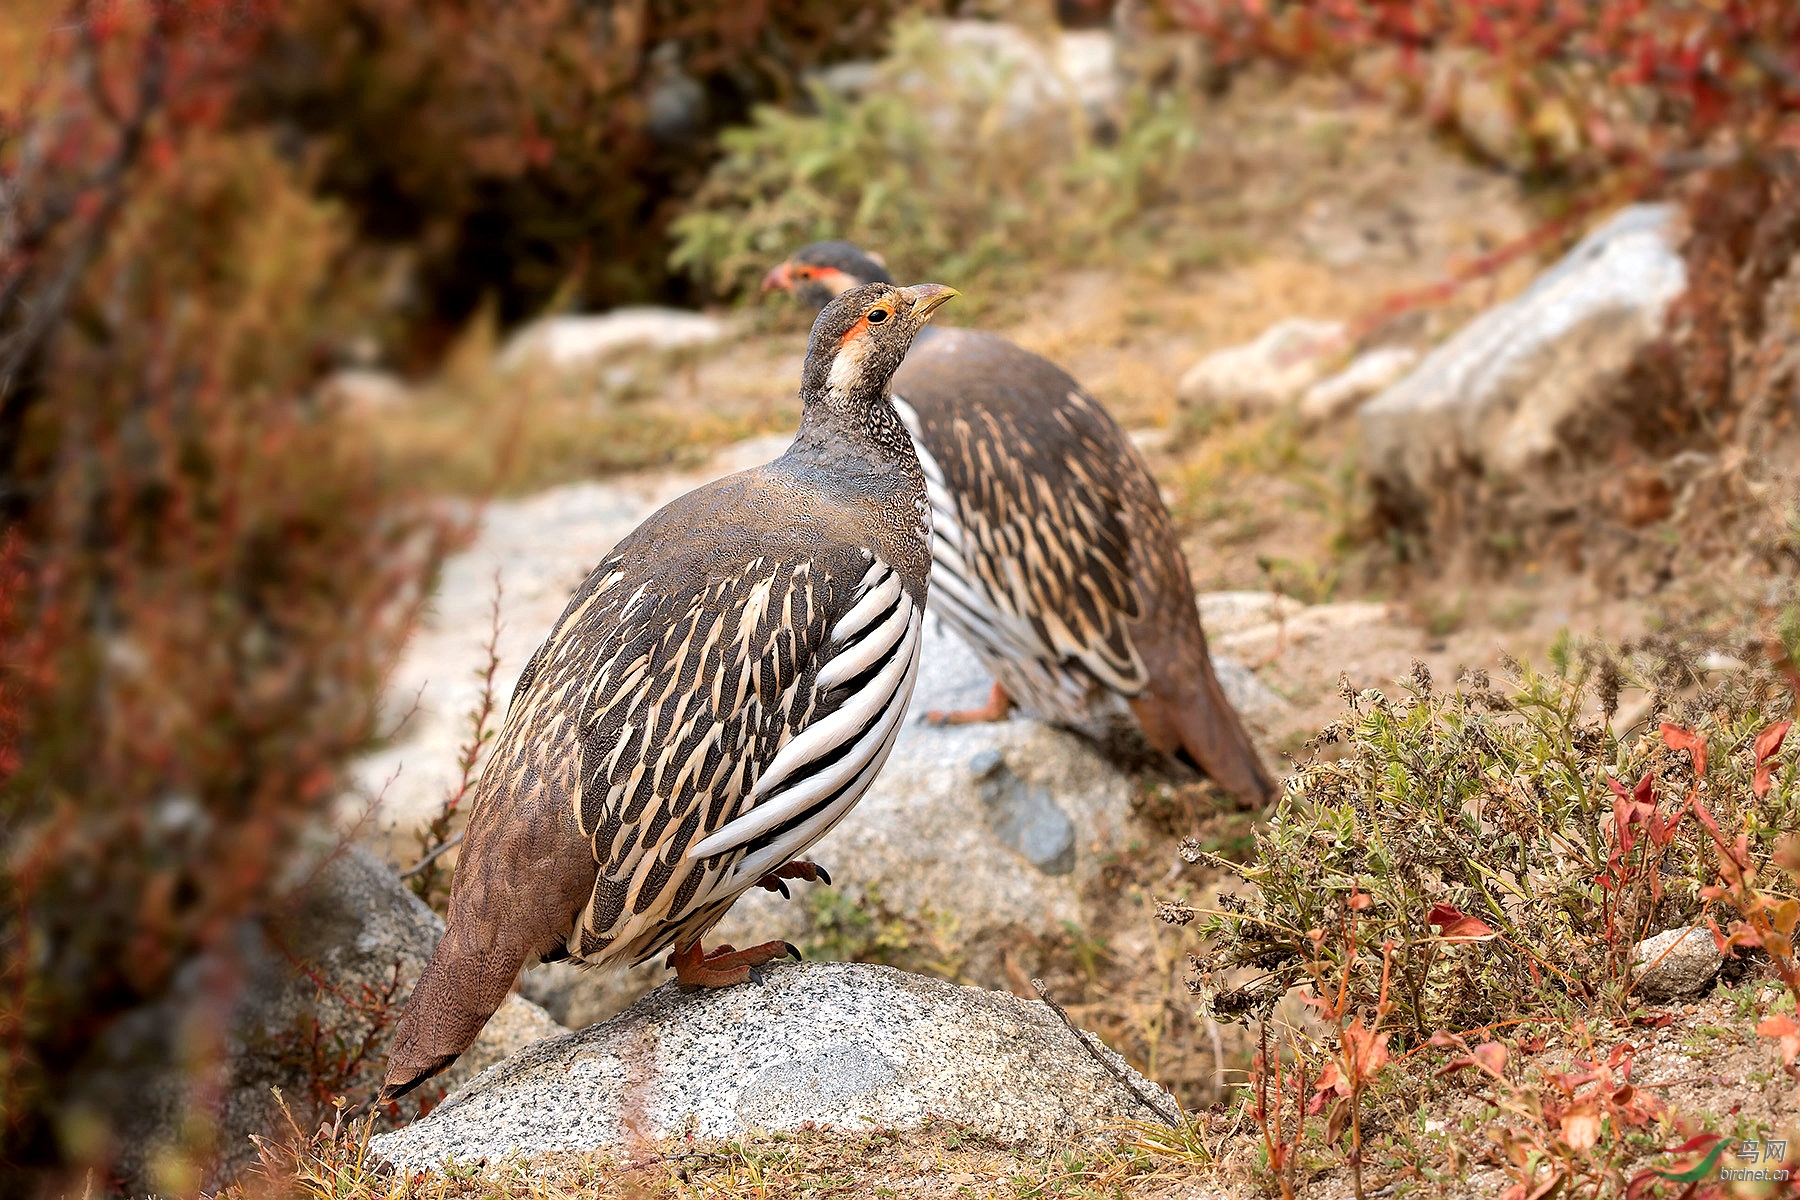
[1367, 374]
[566, 342]
[1024, 817]
[1234, 612]
[1676, 963]
[1267, 373]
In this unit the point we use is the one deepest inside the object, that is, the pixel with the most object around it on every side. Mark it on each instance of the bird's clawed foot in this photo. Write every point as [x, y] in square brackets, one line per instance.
[809, 871]
[997, 708]
[725, 966]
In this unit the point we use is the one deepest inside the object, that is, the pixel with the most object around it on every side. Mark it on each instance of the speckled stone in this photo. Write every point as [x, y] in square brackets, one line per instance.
[850, 1046]
[1677, 963]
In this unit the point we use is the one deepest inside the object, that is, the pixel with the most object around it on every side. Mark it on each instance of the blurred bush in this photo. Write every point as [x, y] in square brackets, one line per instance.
[528, 150]
[946, 158]
[204, 579]
[1578, 89]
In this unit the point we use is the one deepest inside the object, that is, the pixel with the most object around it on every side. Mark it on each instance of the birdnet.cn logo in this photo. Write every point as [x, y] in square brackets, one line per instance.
[1750, 1163]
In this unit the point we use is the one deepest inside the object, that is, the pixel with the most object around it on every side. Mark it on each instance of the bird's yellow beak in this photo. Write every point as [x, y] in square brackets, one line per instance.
[927, 298]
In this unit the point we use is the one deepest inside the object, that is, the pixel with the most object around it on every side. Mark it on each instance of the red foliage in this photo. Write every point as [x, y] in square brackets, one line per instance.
[1643, 79]
[1456, 926]
[202, 580]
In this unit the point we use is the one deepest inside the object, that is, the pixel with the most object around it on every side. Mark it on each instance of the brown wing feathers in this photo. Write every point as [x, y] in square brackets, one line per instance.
[1054, 555]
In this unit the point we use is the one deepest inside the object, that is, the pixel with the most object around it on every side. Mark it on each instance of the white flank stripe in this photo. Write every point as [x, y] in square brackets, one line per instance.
[856, 659]
[795, 841]
[816, 741]
[909, 416]
[827, 734]
[866, 610]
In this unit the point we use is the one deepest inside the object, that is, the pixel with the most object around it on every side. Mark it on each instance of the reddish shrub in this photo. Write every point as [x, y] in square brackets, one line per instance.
[202, 580]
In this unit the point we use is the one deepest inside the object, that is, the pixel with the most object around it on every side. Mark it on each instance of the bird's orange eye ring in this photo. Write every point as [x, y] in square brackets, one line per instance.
[877, 315]
[803, 272]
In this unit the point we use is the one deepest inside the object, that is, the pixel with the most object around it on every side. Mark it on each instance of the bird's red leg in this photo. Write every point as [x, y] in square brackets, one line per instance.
[724, 967]
[996, 709]
[798, 869]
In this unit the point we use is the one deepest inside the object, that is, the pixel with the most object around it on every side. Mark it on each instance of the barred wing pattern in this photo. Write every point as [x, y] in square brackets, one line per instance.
[1035, 577]
[689, 794]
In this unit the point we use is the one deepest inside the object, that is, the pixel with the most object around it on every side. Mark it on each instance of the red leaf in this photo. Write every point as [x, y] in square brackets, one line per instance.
[1706, 819]
[1677, 738]
[1457, 926]
[1768, 744]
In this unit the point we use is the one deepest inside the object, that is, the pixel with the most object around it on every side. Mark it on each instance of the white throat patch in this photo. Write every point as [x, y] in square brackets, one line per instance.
[847, 367]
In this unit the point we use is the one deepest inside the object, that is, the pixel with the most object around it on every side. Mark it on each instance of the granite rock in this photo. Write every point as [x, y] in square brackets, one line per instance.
[849, 1046]
[349, 931]
[1676, 964]
[1366, 375]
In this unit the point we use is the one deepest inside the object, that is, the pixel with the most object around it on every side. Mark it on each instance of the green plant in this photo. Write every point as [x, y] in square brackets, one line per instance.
[931, 168]
[1481, 817]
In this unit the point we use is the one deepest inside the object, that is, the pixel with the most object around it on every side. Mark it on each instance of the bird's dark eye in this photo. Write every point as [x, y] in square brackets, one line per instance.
[877, 315]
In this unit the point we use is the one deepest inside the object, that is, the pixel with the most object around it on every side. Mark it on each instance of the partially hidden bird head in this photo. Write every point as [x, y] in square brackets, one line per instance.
[860, 338]
[817, 273]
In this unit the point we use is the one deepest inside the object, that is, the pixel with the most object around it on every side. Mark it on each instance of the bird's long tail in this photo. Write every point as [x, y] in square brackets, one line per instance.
[1198, 724]
[465, 982]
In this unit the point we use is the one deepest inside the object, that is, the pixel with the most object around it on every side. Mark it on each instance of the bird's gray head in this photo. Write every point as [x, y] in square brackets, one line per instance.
[818, 272]
[859, 341]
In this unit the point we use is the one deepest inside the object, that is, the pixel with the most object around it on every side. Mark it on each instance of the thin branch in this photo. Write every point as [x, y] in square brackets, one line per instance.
[442, 849]
[1082, 1036]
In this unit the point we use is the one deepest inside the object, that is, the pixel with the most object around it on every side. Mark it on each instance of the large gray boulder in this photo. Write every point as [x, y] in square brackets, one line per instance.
[851, 1046]
[1497, 399]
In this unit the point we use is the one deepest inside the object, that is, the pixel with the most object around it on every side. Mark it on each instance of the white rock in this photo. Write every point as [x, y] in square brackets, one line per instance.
[1233, 612]
[365, 389]
[1676, 964]
[975, 68]
[851, 1046]
[1308, 624]
[1367, 374]
[1496, 398]
[1089, 60]
[1267, 373]
[1249, 695]
[573, 341]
